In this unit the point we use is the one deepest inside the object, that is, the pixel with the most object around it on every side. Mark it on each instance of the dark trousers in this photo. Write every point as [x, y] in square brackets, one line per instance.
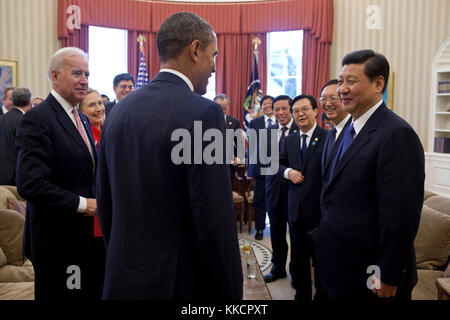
[259, 202]
[74, 280]
[278, 222]
[303, 250]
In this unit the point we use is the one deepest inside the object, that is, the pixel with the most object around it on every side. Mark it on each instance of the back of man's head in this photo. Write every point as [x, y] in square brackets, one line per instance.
[179, 31]
[123, 77]
[21, 97]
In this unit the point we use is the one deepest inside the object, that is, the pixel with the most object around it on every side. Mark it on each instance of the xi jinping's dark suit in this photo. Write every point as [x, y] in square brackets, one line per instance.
[303, 207]
[167, 221]
[371, 209]
[54, 169]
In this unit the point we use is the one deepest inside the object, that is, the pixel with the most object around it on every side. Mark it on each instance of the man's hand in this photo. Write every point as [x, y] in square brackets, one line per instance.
[91, 208]
[385, 291]
[295, 176]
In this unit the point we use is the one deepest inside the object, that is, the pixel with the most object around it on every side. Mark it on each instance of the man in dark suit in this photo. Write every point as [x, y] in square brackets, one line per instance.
[7, 103]
[167, 216]
[230, 123]
[332, 107]
[55, 174]
[372, 200]
[8, 126]
[123, 84]
[300, 164]
[259, 195]
[277, 189]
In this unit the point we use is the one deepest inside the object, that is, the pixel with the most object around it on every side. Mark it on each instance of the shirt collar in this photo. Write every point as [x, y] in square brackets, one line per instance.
[359, 123]
[4, 110]
[63, 102]
[310, 131]
[19, 109]
[289, 124]
[341, 125]
[182, 76]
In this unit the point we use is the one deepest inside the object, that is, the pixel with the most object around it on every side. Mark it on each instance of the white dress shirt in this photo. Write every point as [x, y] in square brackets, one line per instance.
[341, 126]
[359, 123]
[182, 76]
[308, 139]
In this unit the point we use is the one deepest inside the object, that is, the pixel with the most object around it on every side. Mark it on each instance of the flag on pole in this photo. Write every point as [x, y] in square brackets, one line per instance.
[142, 77]
[254, 92]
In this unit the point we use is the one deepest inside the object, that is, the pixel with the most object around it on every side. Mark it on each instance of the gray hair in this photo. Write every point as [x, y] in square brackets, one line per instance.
[21, 97]
[57, 59]
[222, 96]
[179, 31]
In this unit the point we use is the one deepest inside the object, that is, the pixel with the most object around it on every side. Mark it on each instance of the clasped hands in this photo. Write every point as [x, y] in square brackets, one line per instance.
[295, 176]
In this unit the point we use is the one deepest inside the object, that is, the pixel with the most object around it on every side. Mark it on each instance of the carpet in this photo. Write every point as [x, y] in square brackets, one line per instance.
[262, 253]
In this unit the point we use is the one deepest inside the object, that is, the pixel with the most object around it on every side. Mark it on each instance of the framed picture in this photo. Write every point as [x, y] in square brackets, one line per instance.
[388, 95]
[8, 74]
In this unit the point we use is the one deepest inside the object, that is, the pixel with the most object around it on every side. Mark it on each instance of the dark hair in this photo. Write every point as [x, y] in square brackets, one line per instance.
[265, 98]
[332, 81]
[105, 96]
[122, 77]
[324, 117]
[283, 97]
[305, 96]
[21, 97]
[222, 96]
[375, 64]
[179, 31]
[5, 91]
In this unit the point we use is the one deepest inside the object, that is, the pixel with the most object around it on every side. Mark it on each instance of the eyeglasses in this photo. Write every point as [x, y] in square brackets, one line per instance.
[302, 109]
[331, 99]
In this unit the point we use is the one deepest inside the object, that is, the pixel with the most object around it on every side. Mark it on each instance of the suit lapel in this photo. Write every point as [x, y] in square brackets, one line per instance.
[317, 135]
[360, 141]
[67, 124]
[335, 147]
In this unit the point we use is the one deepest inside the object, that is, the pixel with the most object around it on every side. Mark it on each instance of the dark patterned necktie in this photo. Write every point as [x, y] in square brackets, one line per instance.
[282, 138]
[304, 146]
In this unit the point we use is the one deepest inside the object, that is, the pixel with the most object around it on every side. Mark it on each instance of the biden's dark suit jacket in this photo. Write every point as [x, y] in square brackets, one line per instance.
[169, 226]
[371, 208]
[54, 168]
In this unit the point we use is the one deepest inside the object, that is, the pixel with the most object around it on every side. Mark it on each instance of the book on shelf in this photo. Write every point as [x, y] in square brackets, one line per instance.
[444, 87]
[442, 144]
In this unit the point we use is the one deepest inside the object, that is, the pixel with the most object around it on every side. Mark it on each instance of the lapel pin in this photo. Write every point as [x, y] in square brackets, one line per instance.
[229, 123]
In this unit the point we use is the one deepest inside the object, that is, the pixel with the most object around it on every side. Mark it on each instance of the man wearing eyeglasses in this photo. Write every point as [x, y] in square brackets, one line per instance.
[300, 164]
[123, 84]
[331, 105]
[277, 190]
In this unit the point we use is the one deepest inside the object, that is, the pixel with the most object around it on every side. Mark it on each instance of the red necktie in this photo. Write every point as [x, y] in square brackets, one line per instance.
[80, 126]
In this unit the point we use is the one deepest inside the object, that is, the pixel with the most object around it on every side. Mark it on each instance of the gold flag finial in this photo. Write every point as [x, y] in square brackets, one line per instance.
[140, 40]
[256, 42]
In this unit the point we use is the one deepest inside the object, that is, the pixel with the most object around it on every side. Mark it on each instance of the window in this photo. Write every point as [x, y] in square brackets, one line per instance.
[108, 49]
[284, 63]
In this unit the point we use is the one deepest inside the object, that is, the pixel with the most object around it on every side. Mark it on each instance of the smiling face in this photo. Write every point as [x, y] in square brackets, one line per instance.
[123, 88]
[357, 92]
[304, 114]
[205, 65]
[92, 107]
[267, 107]
[72, 81]
[282, 111]
[331, 104]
